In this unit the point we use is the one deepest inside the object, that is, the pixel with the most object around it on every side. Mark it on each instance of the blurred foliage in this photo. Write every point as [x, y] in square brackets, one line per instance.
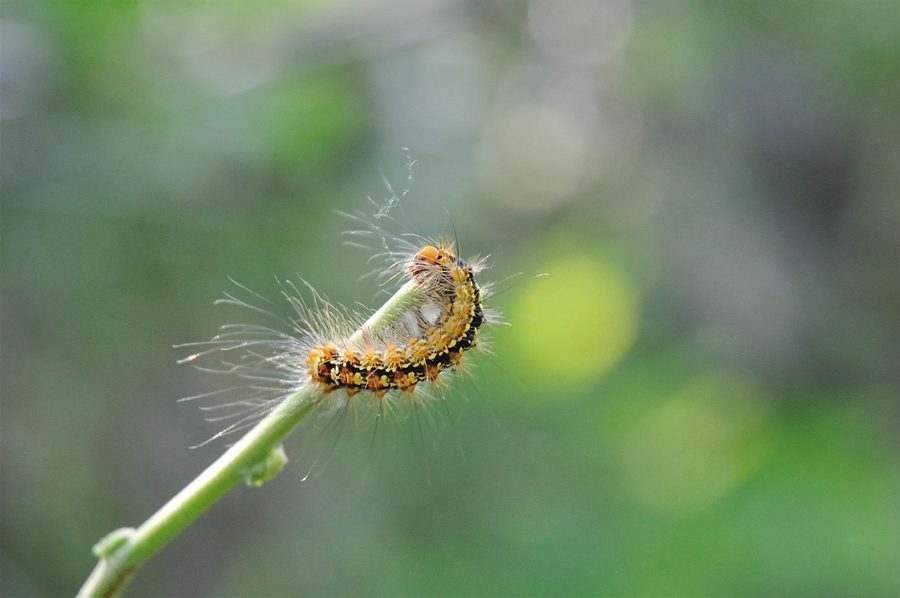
[701, 398]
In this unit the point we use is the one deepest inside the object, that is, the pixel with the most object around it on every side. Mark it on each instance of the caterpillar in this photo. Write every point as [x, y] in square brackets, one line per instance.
[427, 340]
[334, 350]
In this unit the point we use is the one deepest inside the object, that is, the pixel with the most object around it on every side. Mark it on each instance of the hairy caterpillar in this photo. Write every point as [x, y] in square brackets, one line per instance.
[334, 349]
[419, 346]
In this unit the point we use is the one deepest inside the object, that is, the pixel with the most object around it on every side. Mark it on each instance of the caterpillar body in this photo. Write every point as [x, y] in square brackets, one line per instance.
[335, 351]
[427, 340]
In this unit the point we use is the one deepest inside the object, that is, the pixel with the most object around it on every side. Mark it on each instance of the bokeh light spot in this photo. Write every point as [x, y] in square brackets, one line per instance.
[576, 323]
[697, 446]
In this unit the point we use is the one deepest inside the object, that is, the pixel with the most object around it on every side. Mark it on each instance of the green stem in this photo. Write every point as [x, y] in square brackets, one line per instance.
[254, 458]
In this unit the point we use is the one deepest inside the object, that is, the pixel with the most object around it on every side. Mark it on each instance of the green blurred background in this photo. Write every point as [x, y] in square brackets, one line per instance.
[700, 399]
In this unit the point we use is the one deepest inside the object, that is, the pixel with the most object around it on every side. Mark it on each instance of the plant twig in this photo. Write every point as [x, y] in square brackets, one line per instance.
[254, 458]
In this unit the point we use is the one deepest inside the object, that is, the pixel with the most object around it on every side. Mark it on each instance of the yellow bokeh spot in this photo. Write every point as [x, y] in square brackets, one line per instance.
[575, 324]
